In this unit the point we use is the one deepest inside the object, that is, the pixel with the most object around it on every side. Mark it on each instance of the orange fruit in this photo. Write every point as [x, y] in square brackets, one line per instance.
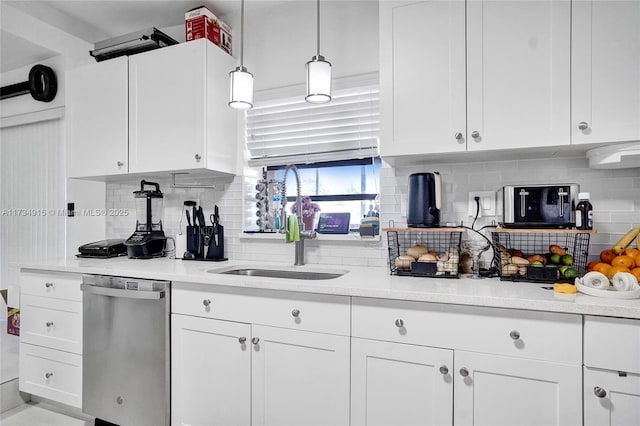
[632, 252]
[615, 269]
[602, 267]
[623, 261]
[607, 255]
[592, 264]
[636, 273]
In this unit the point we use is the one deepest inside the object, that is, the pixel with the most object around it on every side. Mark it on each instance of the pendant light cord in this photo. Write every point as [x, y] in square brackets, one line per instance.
[242, 34]
[318, 25]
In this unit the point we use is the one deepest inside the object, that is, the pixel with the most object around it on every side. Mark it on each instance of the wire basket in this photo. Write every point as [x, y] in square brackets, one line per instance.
[424, 252]
[549, 256]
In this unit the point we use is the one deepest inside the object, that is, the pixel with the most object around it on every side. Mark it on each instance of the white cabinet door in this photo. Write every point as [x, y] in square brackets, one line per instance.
[422, 77]
[210, 372]
[398, 384]
[605, 71]
[518, 73]
[611, 398]
[498, 390]
[299, 378]
[167, 108]
[97, 117]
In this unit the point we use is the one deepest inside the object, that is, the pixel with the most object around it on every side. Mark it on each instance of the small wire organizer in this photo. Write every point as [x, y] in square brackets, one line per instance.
[424, 252]
[537, 247]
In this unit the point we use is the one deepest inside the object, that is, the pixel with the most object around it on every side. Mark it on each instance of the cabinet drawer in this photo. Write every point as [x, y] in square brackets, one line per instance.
[536, 335]
[51, 284]
[53, 323]
[612, 343]
[51, 374]
[302, 311]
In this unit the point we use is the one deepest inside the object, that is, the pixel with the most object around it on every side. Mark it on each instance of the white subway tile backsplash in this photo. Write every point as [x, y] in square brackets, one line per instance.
[615, 195]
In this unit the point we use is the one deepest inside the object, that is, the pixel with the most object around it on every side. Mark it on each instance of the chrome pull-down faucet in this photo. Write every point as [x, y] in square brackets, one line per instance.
[304, 234]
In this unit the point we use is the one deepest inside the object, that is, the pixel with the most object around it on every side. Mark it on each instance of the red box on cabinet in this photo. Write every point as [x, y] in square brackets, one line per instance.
[202, 23]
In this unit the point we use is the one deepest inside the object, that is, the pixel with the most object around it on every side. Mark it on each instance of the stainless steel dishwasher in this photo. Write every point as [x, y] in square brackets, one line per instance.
[126, 361]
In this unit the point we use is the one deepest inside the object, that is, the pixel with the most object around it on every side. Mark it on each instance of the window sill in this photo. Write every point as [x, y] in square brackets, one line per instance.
[320, 237]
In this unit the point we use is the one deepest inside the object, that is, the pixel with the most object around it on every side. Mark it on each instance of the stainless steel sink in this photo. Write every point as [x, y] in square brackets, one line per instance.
[279, 273]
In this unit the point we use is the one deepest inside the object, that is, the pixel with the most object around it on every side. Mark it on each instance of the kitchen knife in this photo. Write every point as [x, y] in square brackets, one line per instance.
[188, 218]
[201, 217]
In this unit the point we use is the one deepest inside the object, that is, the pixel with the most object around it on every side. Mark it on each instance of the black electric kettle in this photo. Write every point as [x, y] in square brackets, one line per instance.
[425, 200]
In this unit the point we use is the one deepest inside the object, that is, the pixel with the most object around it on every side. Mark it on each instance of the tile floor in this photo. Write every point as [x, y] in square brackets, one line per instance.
[36, 414]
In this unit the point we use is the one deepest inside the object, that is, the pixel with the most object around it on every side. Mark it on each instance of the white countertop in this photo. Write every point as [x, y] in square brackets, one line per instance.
[358, 281]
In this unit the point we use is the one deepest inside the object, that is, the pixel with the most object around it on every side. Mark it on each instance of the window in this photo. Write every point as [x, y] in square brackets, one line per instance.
[345, 186]
[334, 146]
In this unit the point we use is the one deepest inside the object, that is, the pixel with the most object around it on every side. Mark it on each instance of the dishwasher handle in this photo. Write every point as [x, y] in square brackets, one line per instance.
[117, 292]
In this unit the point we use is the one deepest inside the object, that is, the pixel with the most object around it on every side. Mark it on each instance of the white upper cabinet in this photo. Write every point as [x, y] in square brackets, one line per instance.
[178, 113]
[605, 71]
[422, 77]
[518, 73]
[97, 116]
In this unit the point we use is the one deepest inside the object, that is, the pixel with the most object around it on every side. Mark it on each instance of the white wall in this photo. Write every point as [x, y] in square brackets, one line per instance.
[279, 40]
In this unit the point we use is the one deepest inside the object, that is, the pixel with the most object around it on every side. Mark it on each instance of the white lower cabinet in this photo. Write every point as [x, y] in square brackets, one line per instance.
[299, 377]
[499, 390]
[51, 336]
[611, 371]
[611, 398]
[399, 384]
[416, 363]
[210, 372]
[236, 364]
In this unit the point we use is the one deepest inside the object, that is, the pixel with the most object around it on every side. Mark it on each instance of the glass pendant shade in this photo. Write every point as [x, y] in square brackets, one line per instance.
[241, 94]
[318, 80]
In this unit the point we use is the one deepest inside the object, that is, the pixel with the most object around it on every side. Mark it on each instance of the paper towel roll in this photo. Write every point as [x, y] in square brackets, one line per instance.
[181, 245]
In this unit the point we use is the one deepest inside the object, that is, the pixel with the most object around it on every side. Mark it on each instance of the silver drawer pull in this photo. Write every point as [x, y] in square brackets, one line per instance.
[464, 372]
[583, 125]
[48, 375]
[255, 340]
[47, 285]
[295, 313]
[206, 302]
[242, 340]
[444, 370]
[515, 335]
[399, 323]
[49, 323]
[599, 392]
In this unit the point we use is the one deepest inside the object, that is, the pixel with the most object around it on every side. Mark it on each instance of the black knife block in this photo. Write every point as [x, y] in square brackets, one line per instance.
[196, 236]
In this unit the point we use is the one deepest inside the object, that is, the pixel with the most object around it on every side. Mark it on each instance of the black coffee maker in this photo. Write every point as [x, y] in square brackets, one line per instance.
[425, 200]
[148, 240]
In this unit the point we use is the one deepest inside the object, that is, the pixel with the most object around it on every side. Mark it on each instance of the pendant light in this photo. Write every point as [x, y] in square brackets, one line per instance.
[318, 73]
[241, 81]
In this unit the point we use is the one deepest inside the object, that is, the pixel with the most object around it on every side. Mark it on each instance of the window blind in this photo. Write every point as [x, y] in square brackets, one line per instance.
[286, 130]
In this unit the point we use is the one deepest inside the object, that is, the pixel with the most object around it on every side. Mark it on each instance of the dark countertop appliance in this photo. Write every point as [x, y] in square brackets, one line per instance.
[537, 205]
[148, 240]
[424, 200]
[103, 249]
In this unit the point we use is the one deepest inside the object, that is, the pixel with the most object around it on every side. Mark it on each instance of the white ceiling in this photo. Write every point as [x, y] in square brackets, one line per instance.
[96, 20]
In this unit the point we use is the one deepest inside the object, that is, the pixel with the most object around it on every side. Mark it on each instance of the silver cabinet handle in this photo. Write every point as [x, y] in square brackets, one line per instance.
[458, 136]
[583, 125]
[47, 285]
[255, 340]
[444, 370]
[515, 335]
[198, 157]
[295, 313]
[242, 340]
[475, 134]
[120, 163]
[464, 372]
[206, 302]
[49, 323]
[399, 323]
[48, 375]
[599, 392]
